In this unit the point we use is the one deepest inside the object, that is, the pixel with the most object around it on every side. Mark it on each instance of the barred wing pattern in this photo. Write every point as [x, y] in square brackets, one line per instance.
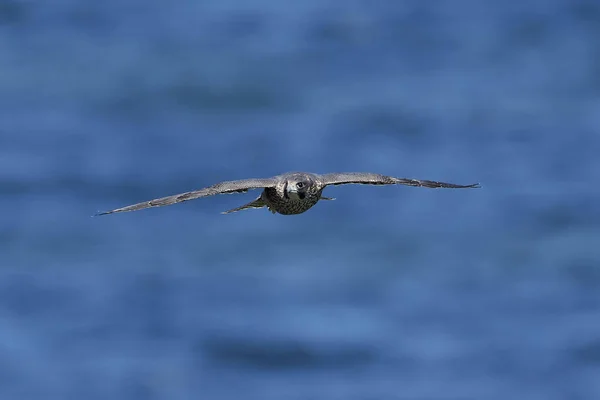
[365, 178]
[238, 186]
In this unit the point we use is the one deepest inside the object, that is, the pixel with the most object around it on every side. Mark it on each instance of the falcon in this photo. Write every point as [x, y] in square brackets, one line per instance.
[287, 194]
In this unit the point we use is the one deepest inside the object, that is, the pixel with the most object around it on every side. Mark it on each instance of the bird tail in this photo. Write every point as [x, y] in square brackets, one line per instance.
[258, 203]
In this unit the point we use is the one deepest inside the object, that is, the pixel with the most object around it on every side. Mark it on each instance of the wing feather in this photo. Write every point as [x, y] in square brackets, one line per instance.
[237, 186]
[366, 178]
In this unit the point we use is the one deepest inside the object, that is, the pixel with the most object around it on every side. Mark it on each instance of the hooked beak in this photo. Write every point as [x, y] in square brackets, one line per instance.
[287, 189]
[293, 189]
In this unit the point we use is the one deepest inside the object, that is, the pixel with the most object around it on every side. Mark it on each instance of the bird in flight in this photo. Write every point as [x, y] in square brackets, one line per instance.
[289, 193]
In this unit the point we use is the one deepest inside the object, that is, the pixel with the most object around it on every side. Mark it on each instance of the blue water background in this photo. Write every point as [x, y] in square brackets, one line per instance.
[384, 293]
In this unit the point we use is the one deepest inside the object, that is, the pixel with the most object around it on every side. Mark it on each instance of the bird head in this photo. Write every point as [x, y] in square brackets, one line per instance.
[297, 186]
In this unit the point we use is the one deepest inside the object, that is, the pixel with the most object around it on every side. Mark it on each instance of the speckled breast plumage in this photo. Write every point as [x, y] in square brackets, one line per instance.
[276, 202]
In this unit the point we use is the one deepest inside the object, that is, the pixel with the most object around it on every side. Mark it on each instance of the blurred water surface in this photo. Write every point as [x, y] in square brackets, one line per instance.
[386, 293]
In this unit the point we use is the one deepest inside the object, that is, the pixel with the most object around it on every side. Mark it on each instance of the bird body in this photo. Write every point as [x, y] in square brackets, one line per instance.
[290, 193]
[293, 195]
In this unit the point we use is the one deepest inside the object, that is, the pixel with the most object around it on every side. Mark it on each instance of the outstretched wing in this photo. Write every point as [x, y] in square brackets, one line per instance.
[238, 186]
[366, 178]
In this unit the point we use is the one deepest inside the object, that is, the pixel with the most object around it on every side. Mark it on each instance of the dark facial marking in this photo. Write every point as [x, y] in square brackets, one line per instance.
[285, 193]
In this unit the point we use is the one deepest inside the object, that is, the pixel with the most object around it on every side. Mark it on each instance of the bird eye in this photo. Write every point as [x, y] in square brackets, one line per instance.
[300, 184]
